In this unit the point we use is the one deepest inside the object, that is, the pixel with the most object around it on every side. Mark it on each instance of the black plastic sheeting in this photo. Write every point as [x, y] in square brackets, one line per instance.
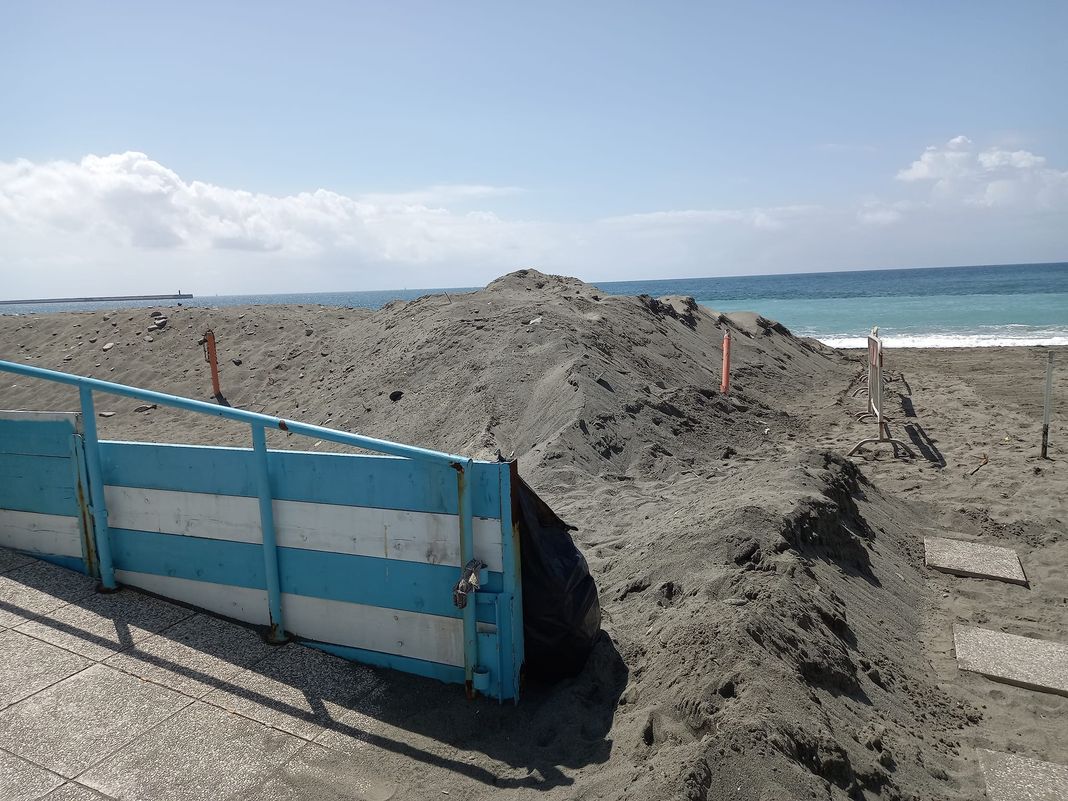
[561, 610]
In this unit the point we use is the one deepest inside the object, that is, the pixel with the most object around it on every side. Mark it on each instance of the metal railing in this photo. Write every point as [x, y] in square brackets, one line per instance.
[259, 424]
[875, 385]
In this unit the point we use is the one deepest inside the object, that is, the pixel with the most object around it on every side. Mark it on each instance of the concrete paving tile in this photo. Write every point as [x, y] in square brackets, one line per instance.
[194, 656]
[23, 781]
[298, 690]
[201, 754]
[9, 560]
[28, 665]
[974, 560]
[1023, 661]
[319, 774]
[356, 731]
[1010, 777]
[77, 722]
[72, 791]
[37, 588]
[102, 624]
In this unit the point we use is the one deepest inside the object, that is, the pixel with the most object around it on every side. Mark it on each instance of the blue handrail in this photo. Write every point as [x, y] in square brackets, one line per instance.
[230, 413]
[259, 423]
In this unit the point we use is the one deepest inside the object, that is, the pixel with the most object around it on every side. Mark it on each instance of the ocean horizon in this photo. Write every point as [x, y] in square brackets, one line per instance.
[940, 307]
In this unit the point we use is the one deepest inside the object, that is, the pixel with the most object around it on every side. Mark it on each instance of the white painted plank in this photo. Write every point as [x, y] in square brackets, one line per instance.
[40, 533]
[430, 637]
[392, 631]
[240, 603]
[424, 537]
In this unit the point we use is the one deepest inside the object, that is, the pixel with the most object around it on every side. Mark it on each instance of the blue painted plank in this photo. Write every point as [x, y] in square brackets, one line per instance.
[42, 484]
[374, 581]
[383, 482]
[238, 564]
[69, 562]
[487, 644]
[420, 667]
[40, 437]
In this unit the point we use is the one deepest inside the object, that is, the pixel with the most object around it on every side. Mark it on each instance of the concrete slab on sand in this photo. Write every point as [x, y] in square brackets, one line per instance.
[1010, 777]
[973, 559]
[1023, 661]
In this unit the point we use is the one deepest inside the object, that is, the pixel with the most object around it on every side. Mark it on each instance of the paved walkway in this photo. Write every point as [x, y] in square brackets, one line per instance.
[126, 696]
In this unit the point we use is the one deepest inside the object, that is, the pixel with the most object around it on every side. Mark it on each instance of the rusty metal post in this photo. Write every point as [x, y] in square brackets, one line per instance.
[725, 381]
[212, 358]
[1047, 406]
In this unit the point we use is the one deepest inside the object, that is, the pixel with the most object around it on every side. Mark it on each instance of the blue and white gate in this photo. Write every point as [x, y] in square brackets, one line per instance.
[43, 488]
[408, 560]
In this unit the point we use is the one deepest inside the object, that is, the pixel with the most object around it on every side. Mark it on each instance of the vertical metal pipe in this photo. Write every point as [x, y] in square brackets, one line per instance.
[1047, 406]
[96, 491]
[276, 632]
[725, 379]
[464, 476]
[213, 361]
[875, 392]
[85, 505]
[513, 586]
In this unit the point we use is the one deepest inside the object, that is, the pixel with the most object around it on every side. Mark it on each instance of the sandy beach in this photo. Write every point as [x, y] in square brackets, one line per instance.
[770, 629]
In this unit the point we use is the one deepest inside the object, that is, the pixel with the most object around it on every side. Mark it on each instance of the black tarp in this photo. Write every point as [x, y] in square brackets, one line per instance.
[561, 611]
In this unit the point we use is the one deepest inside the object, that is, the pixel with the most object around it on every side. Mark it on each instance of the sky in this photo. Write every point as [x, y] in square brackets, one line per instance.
[248, 147]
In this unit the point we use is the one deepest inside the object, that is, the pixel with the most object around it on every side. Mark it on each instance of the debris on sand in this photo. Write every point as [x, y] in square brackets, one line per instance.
[762, 599]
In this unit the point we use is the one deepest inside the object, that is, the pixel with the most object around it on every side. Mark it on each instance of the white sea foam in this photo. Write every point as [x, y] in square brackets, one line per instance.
[949, 340]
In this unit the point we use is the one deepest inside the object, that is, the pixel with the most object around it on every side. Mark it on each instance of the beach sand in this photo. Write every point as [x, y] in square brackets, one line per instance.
[770, 629]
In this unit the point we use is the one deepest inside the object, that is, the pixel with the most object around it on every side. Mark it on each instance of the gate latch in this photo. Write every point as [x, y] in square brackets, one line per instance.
[468, 582]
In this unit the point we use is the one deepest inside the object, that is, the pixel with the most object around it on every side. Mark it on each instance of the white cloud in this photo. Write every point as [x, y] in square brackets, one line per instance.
[129, 199]
[440, 195]
[874, 212]
[772, 217]
[958, 173]
[124, 223]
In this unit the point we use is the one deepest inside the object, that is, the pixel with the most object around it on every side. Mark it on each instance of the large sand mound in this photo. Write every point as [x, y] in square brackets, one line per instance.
[761, 599]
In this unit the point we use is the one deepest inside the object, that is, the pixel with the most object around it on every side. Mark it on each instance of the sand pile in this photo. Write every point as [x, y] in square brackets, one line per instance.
[761, 598]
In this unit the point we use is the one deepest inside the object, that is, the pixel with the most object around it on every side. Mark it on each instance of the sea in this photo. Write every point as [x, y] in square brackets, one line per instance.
[940, 307]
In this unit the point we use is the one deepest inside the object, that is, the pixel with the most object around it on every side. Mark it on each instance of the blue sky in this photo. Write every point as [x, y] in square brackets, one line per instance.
[367, 145]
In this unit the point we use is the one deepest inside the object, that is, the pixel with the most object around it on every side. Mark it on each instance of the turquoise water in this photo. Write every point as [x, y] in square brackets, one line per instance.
[1016, 304]
[922, 321]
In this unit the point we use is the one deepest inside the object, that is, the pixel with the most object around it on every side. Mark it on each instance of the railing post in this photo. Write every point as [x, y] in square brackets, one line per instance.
[96, 491]
[276, 632]
[464, 474]
[513, 585]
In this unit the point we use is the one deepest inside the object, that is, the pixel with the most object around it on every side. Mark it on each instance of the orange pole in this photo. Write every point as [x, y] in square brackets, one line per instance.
[212, 358]
[725, 382]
